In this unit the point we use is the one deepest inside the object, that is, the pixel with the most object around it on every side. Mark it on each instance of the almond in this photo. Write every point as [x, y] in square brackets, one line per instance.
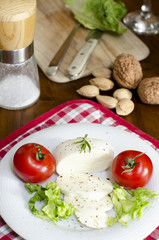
[88, 91]
[103, 84]
[102, 72]
[124, 107]
[122, 93]
[107, 101]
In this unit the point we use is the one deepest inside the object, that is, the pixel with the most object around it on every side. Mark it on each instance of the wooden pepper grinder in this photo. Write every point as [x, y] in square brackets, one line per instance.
[17, 23]
[19, 80]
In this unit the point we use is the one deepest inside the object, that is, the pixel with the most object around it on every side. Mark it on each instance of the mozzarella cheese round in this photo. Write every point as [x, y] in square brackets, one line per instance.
[69, 157]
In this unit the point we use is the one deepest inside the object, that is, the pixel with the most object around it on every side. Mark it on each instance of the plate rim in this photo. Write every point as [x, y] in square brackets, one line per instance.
[66, 125]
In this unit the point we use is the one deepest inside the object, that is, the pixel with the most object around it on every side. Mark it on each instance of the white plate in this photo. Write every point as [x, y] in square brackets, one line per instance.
[14, 197]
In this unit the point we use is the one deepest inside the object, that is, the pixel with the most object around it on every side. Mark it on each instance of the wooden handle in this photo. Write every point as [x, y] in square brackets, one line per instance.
[17, 23]
[79, 63]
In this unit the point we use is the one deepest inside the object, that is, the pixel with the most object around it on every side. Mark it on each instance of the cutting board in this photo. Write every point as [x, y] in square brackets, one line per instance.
[54, 24]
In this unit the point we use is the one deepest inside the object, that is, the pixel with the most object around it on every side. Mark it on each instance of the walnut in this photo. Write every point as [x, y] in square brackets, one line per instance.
[148, 90]
[127, 71]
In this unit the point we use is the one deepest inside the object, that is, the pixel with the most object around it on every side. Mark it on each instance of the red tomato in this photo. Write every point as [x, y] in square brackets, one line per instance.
[132, 169]
[33, 163]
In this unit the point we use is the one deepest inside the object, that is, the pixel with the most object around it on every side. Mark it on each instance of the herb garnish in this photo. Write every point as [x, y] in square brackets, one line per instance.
[84, 143]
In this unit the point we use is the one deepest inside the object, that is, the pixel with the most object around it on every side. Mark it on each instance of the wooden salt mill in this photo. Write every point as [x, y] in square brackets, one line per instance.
[19, 80]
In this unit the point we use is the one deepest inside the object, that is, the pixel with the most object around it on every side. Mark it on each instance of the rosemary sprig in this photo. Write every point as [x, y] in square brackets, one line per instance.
[84, 143]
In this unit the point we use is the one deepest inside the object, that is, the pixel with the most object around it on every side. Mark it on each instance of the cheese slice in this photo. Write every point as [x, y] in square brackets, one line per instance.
[84, 204]
[84, 185]
[70, 159]
[93, 220]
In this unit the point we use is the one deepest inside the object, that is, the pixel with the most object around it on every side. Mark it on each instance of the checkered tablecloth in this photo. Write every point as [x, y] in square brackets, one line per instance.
[76, 111]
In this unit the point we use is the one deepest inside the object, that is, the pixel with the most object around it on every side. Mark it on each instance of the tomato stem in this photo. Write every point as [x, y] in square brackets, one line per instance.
[39, 155]
[131, 163]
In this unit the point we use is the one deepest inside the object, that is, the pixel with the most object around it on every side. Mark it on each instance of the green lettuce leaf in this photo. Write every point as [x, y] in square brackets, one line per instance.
[54, 207]
[104, 15]
[129, 204]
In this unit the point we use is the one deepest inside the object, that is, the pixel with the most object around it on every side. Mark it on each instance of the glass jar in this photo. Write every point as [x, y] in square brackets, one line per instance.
[19, 78]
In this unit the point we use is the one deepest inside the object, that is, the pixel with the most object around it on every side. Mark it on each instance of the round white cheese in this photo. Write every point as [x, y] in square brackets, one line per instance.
[69, 157]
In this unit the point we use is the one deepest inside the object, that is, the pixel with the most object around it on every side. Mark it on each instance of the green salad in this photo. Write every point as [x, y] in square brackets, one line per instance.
[104, 15]
[129, 204]
[54, 206]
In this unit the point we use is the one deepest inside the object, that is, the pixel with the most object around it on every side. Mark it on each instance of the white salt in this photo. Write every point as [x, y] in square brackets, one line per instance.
[17, 92]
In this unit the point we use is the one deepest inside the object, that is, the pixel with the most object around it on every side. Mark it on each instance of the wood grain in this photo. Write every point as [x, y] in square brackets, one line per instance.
[55, 22]
[17, 23]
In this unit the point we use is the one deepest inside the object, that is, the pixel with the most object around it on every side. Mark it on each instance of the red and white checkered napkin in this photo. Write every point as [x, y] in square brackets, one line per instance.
[76, 111]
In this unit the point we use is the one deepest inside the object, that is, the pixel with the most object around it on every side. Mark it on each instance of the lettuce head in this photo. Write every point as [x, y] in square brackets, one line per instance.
[104, 15]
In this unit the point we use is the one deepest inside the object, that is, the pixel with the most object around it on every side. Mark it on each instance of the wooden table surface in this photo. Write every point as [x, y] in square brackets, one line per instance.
[144, 117]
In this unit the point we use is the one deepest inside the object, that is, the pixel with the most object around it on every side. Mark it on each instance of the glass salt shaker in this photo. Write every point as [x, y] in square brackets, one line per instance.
[19, 79]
